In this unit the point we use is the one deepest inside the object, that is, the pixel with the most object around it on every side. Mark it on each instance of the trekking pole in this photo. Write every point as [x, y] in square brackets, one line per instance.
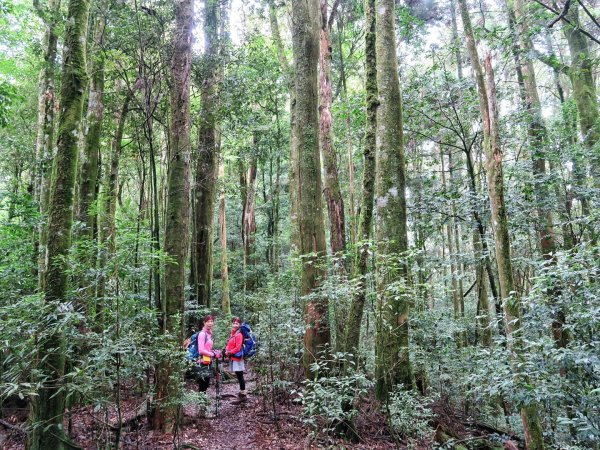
[217, 386]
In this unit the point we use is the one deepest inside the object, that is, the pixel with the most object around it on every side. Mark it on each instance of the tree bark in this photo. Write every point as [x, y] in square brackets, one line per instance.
[177, 214]
[333, 195]
[92, 132]
[392, 355]
[457, 294]
[249, 224]
[48, 405]
[538, 138]
[305, 146]
[368, 183]
[207, 157]
[287, 70]
[491, 141]
[225, 301]
[47, 106]
[584, 89]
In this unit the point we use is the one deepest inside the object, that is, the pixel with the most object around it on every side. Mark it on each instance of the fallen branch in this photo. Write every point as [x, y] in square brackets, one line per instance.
[12, 427]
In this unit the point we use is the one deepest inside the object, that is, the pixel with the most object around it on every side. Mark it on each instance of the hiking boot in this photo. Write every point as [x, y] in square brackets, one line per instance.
[242, 395]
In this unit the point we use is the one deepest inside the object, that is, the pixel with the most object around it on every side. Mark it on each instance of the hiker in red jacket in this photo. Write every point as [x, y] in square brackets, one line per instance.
[234, 345]
[205, 349]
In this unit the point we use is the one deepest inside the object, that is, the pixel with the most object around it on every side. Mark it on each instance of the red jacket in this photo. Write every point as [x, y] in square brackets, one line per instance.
[234, 345]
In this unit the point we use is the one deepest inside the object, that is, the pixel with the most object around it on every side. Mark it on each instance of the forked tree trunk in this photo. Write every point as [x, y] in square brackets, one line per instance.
[177, 214]
[392, 364]
[47, 407]
[305, 147]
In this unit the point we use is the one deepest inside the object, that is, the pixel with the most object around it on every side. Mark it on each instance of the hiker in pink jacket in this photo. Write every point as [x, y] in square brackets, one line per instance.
[205, 349]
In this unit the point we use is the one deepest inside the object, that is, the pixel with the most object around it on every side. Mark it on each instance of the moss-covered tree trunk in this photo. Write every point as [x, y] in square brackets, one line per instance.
[534, 437]
[392, 365]
[332, 191]
[177, 214]
[206, 164]
[368, 183]
[538, 139]
[305, 145]
[225, 300]
[493, 151]
[85, 213]
[45, 127]
[47, 407]
[352, 217]
[584, 89]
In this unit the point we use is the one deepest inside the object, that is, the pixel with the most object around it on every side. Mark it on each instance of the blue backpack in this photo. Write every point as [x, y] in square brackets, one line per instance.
[248, 344]
[192, 349]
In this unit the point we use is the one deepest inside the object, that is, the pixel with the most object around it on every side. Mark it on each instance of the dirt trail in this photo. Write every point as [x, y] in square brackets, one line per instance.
[240, 424]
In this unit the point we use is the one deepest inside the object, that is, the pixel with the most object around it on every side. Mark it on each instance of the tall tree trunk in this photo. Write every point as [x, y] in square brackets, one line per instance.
[47, 407]
[288, 70]
[478, 236]
[512, 305]
[538, 138]
[305, 145]
[92, 132]
[368, 183]
[207, 157]
[177, 214]
[333, 194]
[107, 226]
[249, 224]
[457, 294]
[45, 128]
[584, 88]
[392, 356]
[225, 301]
[352, 225]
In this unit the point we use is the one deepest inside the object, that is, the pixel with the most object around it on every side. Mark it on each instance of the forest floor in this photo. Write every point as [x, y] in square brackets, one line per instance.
[238, 425]
[247, 425]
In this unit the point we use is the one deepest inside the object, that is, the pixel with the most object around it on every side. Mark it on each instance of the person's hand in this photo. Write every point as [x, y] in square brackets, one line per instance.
[217, 354]
[226, 352]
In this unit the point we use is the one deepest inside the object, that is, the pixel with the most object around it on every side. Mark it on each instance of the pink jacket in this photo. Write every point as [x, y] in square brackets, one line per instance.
[205, 343]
